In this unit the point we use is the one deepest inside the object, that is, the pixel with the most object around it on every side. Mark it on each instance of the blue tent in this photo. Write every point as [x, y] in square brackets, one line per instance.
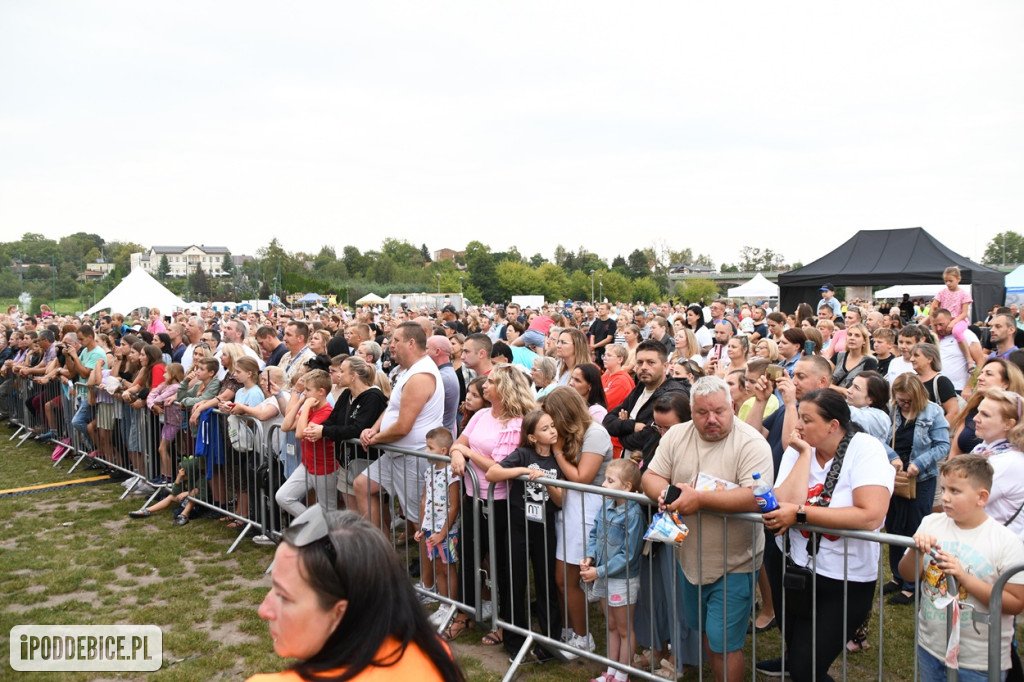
[311, 298]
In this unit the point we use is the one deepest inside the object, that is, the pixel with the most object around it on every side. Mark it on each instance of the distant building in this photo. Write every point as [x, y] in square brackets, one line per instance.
[183, 260]
[448, 254]
[100, 266]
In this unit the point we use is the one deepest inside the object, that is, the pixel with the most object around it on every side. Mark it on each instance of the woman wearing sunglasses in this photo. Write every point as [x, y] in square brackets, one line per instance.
[332, 575]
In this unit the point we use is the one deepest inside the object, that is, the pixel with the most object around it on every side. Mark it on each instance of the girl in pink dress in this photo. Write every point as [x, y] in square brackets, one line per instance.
[958, 302]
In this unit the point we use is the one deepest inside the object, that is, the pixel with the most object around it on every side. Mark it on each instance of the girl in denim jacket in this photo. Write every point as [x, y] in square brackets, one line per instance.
[612, 563]
[917, 442]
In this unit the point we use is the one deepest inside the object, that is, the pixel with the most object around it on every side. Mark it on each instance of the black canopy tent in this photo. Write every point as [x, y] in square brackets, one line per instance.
[886, 257]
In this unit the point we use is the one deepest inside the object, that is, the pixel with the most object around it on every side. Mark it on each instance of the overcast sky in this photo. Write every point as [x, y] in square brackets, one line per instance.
[788, 125]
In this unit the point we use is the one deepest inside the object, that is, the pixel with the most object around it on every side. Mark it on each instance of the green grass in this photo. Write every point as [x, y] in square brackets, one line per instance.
[72, 556]
[63, 305]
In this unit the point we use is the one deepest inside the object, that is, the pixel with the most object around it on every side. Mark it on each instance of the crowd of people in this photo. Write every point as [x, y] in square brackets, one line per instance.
[862, 417]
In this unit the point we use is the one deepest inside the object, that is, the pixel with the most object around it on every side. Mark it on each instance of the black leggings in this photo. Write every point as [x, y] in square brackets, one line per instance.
[499, 570]
[533, 544]
[828, 642]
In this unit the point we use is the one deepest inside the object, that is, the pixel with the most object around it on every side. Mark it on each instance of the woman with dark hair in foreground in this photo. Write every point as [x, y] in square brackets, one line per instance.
[343, 606]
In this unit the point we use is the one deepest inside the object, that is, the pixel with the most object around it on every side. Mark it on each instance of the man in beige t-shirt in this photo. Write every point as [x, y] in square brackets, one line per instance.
[716, 444]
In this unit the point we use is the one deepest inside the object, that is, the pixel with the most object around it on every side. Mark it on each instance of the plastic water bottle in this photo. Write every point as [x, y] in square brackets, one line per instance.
[764, 495]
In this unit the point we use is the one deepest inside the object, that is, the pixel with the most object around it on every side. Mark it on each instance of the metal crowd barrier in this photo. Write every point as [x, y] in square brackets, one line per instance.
[403, 472]
[246, 475]
[995, 632]
[655, 591]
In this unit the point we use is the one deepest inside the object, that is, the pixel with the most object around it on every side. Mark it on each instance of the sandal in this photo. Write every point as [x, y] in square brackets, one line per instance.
[456, 629]
[235, 524]
[855, 645]
[493, 638]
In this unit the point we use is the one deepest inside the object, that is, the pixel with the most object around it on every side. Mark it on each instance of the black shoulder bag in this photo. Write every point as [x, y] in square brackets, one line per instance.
[797, 581]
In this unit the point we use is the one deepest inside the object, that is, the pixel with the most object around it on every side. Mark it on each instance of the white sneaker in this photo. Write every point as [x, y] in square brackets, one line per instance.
[584, 643]
[567, 634]
[442, 617]
[143, 489]
[426, 598]
[264, 540]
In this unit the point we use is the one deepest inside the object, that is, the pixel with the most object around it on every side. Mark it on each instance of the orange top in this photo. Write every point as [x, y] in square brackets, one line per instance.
[414, 665]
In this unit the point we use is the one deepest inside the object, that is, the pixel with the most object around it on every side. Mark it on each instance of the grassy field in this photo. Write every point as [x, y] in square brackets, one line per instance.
[63, 305]
[72, 556]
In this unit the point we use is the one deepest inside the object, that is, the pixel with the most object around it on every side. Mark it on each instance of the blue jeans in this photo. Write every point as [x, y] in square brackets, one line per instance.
[81, 422]
[934, 670]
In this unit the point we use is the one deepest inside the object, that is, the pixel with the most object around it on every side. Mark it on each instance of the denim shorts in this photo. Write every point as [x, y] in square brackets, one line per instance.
[934, 670]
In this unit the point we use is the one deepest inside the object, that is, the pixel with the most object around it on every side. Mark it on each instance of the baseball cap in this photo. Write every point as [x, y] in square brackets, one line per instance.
[827, 286]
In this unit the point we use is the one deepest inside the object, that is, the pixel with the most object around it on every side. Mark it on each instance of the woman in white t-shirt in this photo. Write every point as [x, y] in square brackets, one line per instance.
[858, 501]
[583, 450]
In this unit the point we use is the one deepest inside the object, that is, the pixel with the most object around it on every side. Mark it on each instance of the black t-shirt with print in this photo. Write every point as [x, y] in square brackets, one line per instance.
[534, 492]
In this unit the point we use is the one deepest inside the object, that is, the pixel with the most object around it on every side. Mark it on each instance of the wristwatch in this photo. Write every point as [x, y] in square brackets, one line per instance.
[801, 514]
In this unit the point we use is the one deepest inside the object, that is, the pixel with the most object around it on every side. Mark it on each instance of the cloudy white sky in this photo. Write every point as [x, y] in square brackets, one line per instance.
[788, 125]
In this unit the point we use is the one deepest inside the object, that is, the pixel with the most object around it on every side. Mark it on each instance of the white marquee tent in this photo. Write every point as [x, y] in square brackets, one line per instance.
[139, 290]
[758, 287]
[371, 299]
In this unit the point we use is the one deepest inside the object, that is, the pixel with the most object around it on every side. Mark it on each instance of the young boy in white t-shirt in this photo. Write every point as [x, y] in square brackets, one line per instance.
[974, 549]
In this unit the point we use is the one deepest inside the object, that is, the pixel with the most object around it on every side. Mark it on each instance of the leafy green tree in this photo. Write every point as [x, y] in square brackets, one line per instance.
[227, 265]
[93, 255]
[75, 247]
[579, 286]
[647, 290]
[537, 260]
[516, 279]
[678, 257]
[754, 259]
[120, 254]
[637, 265]
[199, 282]
[164, 268]
[354, 261]
[383, 269]
[483, 274]
[425, 252]
[692, 290]
[553, 281]
[615, 287]
[34, 248]
[401, 251]
[1006, 248]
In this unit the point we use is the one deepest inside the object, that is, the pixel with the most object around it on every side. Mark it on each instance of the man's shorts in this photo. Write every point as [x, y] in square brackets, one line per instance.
[724, 622]
[402, 476]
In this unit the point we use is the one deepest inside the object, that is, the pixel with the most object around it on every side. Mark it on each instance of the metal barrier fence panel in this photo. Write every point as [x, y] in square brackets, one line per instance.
[659, 588]
[248, 466]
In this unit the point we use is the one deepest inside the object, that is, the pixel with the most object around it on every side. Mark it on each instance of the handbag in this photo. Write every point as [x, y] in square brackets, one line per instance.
[240, 434]
[905, 485]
